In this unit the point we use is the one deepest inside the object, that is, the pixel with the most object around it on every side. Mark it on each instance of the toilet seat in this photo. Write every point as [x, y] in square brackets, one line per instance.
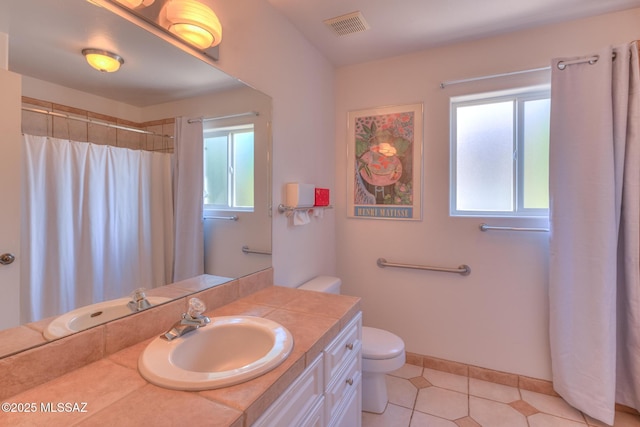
[378, 344]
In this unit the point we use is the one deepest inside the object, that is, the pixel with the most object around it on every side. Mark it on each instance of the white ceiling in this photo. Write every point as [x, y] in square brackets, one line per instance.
[403, 26]
[46, 37]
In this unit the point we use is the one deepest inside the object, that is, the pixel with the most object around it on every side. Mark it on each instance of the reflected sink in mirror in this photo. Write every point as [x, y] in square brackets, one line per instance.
[229, 350]
[92, 315]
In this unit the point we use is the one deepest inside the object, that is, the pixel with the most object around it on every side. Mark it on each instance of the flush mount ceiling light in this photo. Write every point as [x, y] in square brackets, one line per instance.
[103, 60]
[132, 4]
[193, 22]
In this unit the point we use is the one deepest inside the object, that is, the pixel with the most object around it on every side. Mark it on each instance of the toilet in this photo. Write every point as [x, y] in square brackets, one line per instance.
[382, 352]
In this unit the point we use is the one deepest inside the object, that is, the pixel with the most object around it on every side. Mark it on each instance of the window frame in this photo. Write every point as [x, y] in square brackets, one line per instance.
[519, 96]
[211, 209]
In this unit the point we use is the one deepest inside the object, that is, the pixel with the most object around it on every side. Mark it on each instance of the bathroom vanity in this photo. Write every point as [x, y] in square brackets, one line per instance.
[329, 391]
[319, 384]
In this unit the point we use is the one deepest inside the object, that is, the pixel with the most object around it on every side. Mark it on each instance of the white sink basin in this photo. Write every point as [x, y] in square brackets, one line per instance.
[92, 315]
[227, 351]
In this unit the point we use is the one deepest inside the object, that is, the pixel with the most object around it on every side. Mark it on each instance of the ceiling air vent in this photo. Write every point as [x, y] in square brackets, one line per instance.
[348, 24]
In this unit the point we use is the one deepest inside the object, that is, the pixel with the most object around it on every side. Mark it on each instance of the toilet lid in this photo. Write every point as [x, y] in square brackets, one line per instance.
[380, 344]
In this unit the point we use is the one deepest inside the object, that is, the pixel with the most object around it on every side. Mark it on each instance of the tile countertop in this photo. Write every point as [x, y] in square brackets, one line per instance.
[110, 391]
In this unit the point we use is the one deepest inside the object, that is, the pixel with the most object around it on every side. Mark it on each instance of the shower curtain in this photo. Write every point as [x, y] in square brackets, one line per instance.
[594, 285]
[188, 199]
[97, 224]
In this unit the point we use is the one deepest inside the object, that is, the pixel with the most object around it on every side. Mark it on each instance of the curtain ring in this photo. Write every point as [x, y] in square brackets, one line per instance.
[595, 59]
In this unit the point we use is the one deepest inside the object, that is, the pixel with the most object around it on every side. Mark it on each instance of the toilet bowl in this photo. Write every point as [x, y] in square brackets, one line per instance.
[382, 352]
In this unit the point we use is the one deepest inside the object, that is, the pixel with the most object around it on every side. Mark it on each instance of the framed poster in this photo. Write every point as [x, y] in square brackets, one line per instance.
[384, 163]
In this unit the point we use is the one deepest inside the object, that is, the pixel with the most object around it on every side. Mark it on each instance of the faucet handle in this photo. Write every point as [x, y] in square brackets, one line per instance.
[196, 308]
[138, 300]
[138, 294]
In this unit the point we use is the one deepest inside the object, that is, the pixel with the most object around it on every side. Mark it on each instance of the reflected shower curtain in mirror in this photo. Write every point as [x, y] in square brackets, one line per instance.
[594, 285]
[98, 223]
[188, 184]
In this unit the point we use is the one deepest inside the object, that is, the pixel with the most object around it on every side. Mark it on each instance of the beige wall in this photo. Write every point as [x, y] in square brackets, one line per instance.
[265, 51]
[496, 317]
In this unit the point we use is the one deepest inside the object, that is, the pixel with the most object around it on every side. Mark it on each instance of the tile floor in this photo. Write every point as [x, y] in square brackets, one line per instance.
[423, 397]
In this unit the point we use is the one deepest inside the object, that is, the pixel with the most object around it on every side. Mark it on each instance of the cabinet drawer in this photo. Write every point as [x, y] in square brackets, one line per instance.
[298, 400]
[349, 413]
[346, 382]
[347, 343]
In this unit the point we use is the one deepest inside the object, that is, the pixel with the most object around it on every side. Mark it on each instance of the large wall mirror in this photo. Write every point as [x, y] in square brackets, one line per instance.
[158, 81]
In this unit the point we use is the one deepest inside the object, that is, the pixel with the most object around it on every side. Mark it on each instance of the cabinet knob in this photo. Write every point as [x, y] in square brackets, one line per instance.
[350, 381]
[6, 259]
[350, 346]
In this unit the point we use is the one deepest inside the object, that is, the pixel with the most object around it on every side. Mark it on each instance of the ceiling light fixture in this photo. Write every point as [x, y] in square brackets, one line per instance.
[193, 22]
[132, 4]
[103, 60]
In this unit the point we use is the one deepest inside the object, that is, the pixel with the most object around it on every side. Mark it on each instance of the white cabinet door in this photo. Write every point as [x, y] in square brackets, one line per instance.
[10, 119]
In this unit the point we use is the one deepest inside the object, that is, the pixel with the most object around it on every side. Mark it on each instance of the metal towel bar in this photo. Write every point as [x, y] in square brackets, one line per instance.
[228, 218]
[246, 250]
[463, 269]
[486, 227]
[286, 209]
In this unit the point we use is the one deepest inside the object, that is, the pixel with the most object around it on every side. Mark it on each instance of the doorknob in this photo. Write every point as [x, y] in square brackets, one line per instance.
[6, 259]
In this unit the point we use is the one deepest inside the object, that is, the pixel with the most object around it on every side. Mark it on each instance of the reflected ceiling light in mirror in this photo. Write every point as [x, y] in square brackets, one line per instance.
[103, 60]
[132, 4]
[192, 21]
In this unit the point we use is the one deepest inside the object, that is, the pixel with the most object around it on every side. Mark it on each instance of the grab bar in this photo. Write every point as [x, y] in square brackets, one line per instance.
[246, 250]
[486, 227]
[228, 218]
[463, 269]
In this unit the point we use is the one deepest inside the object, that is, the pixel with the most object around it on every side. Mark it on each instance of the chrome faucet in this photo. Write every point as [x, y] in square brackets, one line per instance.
[191, 320]
[138, 301]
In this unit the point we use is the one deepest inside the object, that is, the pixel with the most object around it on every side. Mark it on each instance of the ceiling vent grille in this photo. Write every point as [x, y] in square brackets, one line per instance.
[348, 24]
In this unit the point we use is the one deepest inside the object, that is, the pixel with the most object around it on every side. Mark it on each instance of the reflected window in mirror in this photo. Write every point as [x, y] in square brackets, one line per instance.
[229, 168]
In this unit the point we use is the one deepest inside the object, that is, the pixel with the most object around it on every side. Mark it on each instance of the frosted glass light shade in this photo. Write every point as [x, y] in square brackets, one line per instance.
[103, 60]
[193, 22]
[132, 4]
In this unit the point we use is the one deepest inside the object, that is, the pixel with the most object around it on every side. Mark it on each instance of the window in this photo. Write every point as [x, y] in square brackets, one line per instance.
[228, 168]
[500, 154]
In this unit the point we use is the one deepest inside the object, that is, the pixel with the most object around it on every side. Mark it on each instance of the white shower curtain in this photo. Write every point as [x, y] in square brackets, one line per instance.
[594, 285]
[188, 185]
[97, 224]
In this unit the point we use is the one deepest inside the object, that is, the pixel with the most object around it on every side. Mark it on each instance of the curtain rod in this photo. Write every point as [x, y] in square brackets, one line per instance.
[230, 116]
[492, 76]
[561, 65]
[95, 122]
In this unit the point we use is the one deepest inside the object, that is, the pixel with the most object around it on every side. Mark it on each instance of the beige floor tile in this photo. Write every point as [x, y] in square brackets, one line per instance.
[425, 420]
[407, 371]
[467, 422]
[551, 405]
[493, 391]
[622, 419]
[420, 382]
[393, 416]
[626, 420]
[495, 414]
[446, 380]
[595, 423]
[546, 420]
[487, 404]
[442, 403]
[401, 392]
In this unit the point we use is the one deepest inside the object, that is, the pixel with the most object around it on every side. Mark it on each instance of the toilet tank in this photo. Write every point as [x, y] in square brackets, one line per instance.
[327, 284]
